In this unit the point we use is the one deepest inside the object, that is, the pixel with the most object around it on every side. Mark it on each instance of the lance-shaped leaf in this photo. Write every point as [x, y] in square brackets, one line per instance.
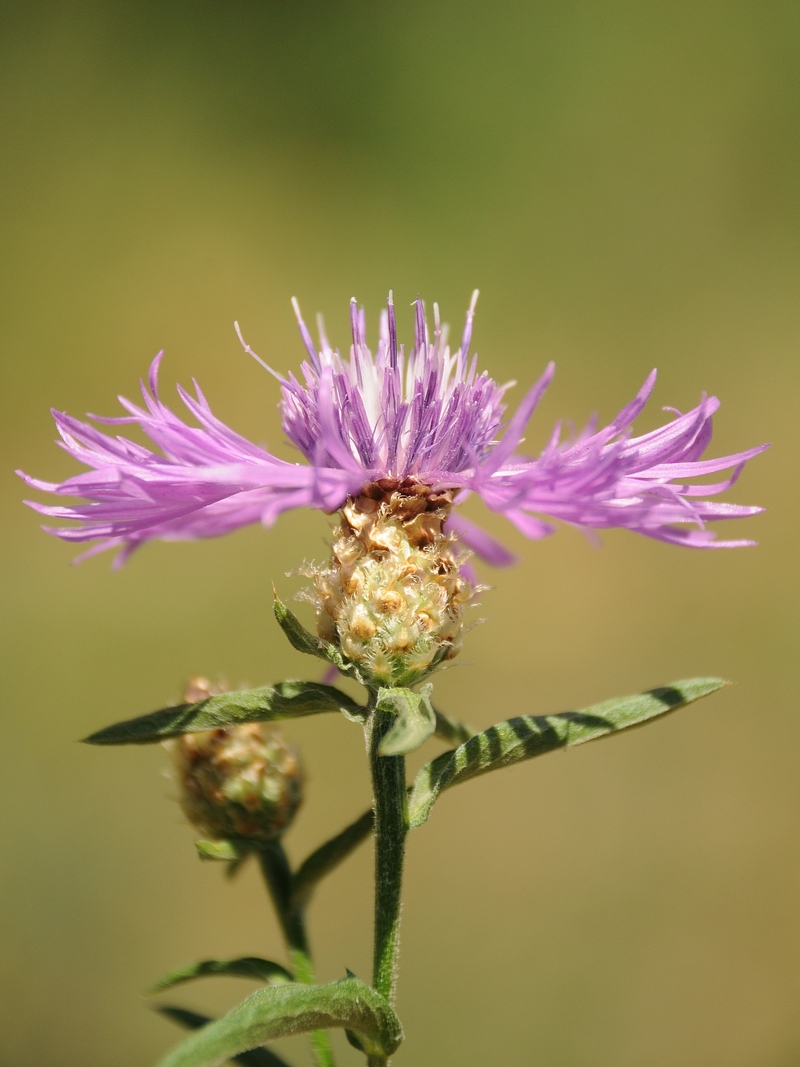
[523, 738]
[257, 1057]
[304, 641]
[280, 1011]
[286, 700]
[451, 730]
[246, 967]
[327, 857]
[416, 719]
[299, 637]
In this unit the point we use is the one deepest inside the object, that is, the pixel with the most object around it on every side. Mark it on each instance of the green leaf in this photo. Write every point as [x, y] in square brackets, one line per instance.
[299, 637]
[279, 1011]
[246, 967]
[257, 1057]
[304, 641]
[416, 719]
[286, 700]
[451, 730]
[222, 851]
[327, 857]
[523, 738]
[235, 852]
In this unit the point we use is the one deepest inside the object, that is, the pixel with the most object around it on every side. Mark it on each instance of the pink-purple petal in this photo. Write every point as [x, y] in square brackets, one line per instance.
[480, 542]
[426, 415]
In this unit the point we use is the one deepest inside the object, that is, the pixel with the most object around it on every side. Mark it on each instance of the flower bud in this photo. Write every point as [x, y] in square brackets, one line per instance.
[392, 596]
[236, 781]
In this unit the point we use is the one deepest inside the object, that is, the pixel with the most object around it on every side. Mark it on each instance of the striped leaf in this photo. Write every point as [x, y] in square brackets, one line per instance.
[527, 736]
[286, 700]
[246, 967]
[280, 1011]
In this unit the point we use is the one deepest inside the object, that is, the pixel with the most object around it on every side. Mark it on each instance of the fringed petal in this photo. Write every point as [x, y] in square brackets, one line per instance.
[480, 542]
[605, 479]
[204, 481]
[427, 415]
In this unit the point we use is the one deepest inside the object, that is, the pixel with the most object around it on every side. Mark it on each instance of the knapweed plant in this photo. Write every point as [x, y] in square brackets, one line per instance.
[393, 443]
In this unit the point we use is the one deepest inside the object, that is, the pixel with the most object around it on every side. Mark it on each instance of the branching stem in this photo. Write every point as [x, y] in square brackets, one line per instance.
[279, 879]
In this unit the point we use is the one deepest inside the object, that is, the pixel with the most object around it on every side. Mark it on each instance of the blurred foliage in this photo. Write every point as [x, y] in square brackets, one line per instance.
[621, 181]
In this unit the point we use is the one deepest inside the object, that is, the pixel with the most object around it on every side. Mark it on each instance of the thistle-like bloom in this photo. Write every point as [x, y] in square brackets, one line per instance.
[424, 419]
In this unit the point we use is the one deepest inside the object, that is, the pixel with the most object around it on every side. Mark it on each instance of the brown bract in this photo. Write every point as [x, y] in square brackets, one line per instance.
[237, 781]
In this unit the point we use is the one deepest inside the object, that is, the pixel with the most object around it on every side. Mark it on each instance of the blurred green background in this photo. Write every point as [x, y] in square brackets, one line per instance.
[621, 180]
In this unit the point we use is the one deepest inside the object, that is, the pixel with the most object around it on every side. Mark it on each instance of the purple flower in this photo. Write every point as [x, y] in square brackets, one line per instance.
[427, 417]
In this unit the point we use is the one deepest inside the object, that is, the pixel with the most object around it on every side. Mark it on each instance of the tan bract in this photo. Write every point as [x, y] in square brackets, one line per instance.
[392, 596]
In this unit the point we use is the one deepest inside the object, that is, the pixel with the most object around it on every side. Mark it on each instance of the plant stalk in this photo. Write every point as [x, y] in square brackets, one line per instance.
[391, 827]
[278, 877]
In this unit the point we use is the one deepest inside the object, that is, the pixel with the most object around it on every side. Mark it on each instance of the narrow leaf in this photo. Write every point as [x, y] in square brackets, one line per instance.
[286, 700]
[257, 1057]
[451, 730]
[327, 857]
[280, 1011]
[304, 641]
[299, 637]
[416, 719]
[246, 967]
[527, 736]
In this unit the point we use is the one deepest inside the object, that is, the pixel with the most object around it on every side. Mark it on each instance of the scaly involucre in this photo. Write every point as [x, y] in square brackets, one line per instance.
[427, 417]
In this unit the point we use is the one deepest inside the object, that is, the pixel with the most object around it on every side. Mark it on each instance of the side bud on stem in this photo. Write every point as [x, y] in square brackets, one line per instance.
[247, 782]
[392, 596]
[237, 781]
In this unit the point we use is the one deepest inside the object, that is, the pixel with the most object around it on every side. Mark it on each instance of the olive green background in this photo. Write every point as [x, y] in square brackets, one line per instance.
[621, 180]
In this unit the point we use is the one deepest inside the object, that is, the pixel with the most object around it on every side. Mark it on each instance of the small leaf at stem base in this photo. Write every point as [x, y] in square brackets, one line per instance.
[416, 719]
[222, 851]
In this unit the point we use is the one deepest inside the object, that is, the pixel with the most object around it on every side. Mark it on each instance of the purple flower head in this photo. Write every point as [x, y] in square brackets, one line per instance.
[426, 418]
[429, 417]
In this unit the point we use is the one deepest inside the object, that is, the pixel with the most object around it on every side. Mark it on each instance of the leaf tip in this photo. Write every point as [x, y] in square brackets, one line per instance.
[99, 737]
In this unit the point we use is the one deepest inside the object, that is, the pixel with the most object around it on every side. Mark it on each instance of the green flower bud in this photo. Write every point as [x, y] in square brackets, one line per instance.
[392, 596]
[238, 781]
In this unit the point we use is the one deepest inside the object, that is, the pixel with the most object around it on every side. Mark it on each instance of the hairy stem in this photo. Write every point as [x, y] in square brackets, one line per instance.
[279, 879]
[391, 826]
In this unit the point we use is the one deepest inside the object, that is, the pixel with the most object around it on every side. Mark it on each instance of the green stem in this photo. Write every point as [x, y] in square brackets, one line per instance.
[279, 879]
[391, 827]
